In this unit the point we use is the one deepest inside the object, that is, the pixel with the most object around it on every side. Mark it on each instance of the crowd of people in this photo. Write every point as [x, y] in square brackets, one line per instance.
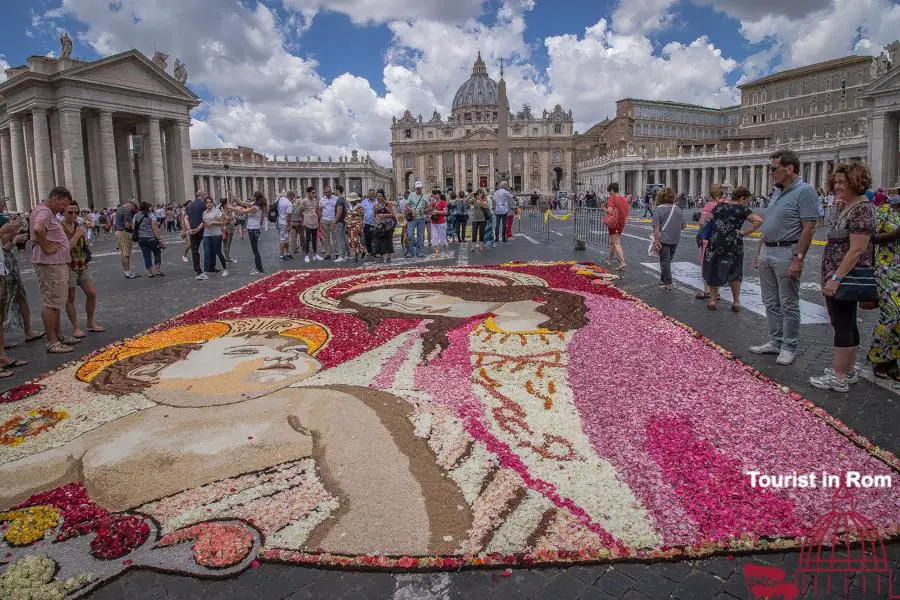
[860, 264]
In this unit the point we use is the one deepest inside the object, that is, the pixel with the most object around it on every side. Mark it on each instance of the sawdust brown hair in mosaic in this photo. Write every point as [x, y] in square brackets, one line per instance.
[565, 311]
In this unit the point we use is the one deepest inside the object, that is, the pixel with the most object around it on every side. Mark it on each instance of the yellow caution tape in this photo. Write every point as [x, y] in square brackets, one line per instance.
[549, 214]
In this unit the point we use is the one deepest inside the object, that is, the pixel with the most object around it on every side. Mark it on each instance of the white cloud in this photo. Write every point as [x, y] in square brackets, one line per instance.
[825, 31]
[3, 67]
[604, 66]
[381, 11]
[642, 16]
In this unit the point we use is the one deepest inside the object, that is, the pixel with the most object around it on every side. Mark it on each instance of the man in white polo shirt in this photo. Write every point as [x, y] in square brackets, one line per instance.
[327, 203]
[285, 205]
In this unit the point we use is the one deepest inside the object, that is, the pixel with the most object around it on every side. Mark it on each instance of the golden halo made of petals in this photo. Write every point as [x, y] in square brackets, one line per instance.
[323, 296]
[314, 334]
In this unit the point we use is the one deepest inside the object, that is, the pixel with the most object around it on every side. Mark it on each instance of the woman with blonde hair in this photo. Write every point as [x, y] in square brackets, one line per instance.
[668, 221]
[716, 197]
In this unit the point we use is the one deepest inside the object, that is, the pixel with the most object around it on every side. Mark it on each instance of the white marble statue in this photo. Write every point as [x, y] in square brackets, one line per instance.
[66, 45]
[180, 72]
[160, 60]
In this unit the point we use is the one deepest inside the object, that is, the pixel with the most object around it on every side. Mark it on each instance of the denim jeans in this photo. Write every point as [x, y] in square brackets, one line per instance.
[499, 227]
[461, 221]
[666, 253]
[415, 232]
[212, 248]
[780, 295]
[340, 239]
[254, 245]
[151, 250]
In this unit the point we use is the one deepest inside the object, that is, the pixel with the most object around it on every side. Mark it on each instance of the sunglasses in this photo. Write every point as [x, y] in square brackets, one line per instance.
[772, 169]
[72, 212]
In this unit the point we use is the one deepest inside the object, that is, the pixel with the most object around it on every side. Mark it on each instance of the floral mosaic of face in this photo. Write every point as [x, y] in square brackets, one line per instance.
[227, 369]
[422, 302]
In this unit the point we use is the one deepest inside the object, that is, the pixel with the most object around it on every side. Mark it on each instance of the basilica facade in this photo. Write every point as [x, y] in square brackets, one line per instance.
[461, 152]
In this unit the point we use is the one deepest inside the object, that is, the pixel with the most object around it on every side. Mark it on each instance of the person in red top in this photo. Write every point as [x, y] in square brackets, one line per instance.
[439, 223]
[616, 205]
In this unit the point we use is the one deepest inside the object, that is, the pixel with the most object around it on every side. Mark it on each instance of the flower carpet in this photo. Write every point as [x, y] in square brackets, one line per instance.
[528, 413]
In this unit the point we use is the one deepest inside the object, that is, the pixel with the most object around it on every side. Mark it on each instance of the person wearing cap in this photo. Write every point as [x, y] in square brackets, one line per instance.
[786, 236]
[885, 349]
[417, 205]
[503, 199]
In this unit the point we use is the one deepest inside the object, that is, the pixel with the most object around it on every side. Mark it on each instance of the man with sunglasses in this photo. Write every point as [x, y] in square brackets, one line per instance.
[787, 233]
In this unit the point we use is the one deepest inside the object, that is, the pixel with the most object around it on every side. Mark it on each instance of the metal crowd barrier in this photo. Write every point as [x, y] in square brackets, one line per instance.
[531, 220]
[590, 228]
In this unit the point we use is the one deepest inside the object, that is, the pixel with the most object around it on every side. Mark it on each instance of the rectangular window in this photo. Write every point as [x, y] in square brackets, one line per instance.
[557, 128]
[430, 134]
[407, 133]
[534, 130]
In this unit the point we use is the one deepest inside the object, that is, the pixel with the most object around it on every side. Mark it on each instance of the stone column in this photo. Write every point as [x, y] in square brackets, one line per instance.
[57, 147]
[157, 175]
[108, 158]
[639, 182]
[814, 174]
[125, 164]
[172, 155]
[73, 166]
[43, 160]
[681, 182]
[704, 185]
[7, 166]
[94, 162]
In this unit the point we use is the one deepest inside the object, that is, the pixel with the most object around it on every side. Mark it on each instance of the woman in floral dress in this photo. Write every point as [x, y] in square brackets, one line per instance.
[885, 348]
[723, 259]
[355, 227]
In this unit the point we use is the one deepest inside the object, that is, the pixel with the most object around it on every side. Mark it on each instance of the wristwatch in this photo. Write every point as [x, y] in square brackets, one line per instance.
[799, 255]
[835, 277]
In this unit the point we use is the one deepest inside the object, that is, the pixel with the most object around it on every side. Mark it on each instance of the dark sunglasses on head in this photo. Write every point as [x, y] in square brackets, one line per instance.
[773, 168]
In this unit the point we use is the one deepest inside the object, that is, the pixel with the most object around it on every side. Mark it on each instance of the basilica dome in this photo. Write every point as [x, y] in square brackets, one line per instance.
[480, 90]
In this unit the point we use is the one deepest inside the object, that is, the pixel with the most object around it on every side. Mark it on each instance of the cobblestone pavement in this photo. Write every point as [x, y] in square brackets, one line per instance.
[128, 307]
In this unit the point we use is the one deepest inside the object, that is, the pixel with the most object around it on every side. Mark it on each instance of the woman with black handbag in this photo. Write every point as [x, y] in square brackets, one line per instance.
[385, 221]
[847, 274]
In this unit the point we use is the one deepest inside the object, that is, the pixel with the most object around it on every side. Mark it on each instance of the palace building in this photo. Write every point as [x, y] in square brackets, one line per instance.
[461, 152]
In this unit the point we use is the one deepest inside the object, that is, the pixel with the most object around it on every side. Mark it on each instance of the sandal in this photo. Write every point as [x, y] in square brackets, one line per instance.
[711, 306]
[59, 348]
[37, 336]
[4, 374]
[70, 341]
[888, 372]
[13, 364]
[702, 296]
[96, 329]
[736, 308]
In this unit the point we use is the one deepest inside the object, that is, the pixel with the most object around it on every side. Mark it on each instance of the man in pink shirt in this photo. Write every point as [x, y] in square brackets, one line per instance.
[50, 256]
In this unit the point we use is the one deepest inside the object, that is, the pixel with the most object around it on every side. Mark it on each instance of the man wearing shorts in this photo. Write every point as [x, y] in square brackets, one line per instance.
[618, 206]
[283, 224]
[124, 219]
[50, 257]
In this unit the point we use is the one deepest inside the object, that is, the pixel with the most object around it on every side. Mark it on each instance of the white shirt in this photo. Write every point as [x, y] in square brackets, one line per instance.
[327, 203]
[284, 210]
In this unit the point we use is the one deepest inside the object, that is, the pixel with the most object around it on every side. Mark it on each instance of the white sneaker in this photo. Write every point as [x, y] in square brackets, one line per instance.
[785, 357]
[224, 272]
[828, 381]
[202, 277]
[851, 378]
[232, 260]
[339, 259]
[767, 348]
[184, 258]
[306, 259]
[317, 257]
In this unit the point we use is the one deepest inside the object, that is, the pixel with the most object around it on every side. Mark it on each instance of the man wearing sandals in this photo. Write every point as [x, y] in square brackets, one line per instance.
[50, 257]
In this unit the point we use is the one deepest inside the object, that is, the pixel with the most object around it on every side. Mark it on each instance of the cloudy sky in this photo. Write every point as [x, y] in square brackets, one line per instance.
[323, 77]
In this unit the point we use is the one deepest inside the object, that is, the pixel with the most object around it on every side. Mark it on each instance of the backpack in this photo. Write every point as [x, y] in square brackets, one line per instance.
[273, 211]
[134, 228]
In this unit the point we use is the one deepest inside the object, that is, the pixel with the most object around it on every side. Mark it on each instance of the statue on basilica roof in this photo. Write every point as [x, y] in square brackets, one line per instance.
[66, 45]
[160, 59]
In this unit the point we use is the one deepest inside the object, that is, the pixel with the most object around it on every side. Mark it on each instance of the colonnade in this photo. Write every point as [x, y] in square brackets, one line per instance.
[104, 157]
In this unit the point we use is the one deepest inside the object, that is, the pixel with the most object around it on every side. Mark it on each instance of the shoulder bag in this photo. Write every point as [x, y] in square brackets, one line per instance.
[651, 249]
[859, 284]
[134, 229]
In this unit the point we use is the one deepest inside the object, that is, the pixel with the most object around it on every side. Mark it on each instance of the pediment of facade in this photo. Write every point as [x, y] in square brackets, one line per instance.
[130, 70]
[887, 83]
[480, 134]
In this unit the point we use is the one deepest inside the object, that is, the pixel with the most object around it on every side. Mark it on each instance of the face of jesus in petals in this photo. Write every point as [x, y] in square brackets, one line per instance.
[227, 370]
[425, 303]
